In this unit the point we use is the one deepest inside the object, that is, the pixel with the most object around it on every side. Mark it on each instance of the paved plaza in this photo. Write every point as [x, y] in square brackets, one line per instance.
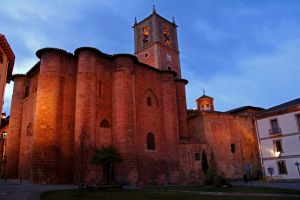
[14, 190]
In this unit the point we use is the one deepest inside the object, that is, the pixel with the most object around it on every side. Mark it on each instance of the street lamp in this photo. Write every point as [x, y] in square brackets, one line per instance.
[297, 165]
[271, 171]
[4, 135]
[3, 155]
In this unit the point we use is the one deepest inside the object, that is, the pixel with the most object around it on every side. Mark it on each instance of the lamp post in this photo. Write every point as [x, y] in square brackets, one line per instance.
[3, 137]
[271, 171]
[297, 165]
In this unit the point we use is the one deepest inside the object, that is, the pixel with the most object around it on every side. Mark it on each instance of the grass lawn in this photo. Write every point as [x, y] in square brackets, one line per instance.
[140, 195]
[239, 189]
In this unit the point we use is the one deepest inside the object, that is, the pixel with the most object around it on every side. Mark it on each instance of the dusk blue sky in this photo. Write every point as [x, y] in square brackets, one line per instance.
[241, 52]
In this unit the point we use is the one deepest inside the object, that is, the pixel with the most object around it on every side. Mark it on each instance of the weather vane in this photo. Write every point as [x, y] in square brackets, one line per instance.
[153, 10]
[203, 91]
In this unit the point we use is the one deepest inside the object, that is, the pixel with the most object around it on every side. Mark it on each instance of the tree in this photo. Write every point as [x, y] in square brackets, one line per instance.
[204, 162]
[107, 157]
[81, 151]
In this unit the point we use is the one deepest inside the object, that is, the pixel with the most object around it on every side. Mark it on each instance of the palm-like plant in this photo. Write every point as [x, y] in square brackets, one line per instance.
[107, 157]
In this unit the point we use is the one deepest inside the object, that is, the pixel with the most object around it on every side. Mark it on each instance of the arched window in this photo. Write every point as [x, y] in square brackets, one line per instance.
[167, 35]
[207, 107]
[150, 141]
[145, 30]
[149, 101]
[232, 146]
[202, 107]
[104, 124]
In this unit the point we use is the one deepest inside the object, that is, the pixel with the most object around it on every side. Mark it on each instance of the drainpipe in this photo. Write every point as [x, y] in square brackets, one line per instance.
[259, 145]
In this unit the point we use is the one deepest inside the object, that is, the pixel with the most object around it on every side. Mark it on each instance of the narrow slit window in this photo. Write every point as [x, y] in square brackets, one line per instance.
[149, 101]
[150, 141]
[232, 147]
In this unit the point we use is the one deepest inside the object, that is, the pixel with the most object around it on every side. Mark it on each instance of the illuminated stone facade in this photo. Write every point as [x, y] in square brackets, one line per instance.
[134, 103]
[7, 59]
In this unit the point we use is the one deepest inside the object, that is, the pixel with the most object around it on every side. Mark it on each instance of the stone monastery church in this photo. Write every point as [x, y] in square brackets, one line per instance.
[135, 103]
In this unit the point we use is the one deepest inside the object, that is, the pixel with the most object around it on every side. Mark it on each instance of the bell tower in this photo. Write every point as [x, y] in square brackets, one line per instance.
[156, 44]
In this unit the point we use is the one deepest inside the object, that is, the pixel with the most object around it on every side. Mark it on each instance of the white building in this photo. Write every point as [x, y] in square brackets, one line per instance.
[278, 133]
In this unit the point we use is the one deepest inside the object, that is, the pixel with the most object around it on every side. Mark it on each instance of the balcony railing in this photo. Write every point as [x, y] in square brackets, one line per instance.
[274, 131]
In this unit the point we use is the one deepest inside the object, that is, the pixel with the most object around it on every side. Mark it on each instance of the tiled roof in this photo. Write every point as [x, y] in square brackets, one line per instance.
[204, 96]
[244, 108]
[281, 107]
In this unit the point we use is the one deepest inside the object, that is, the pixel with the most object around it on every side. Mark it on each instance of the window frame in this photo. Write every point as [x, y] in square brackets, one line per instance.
[275, 130]
[275, 146]
[278, 167]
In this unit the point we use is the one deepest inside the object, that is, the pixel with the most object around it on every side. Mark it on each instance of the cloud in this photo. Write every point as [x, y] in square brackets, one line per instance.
[240, 52]
[262, 78]
[26, 10]
[7, 98]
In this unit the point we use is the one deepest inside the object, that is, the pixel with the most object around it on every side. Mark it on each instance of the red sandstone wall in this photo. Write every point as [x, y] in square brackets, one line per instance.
[77, 95]
[174, 63]
[15, 125]
[150, 59]
[27, 134]
[196, 129]
[170, 126]
[222, 130]
[152, 165]
[104, 102]
[191, 167]
[27, 130]
[67, 131]
[182, 110]
[86, 102]
[124, 117]
[50, 122]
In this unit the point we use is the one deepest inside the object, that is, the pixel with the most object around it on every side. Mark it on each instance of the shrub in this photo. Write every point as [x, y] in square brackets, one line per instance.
[211, 178]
